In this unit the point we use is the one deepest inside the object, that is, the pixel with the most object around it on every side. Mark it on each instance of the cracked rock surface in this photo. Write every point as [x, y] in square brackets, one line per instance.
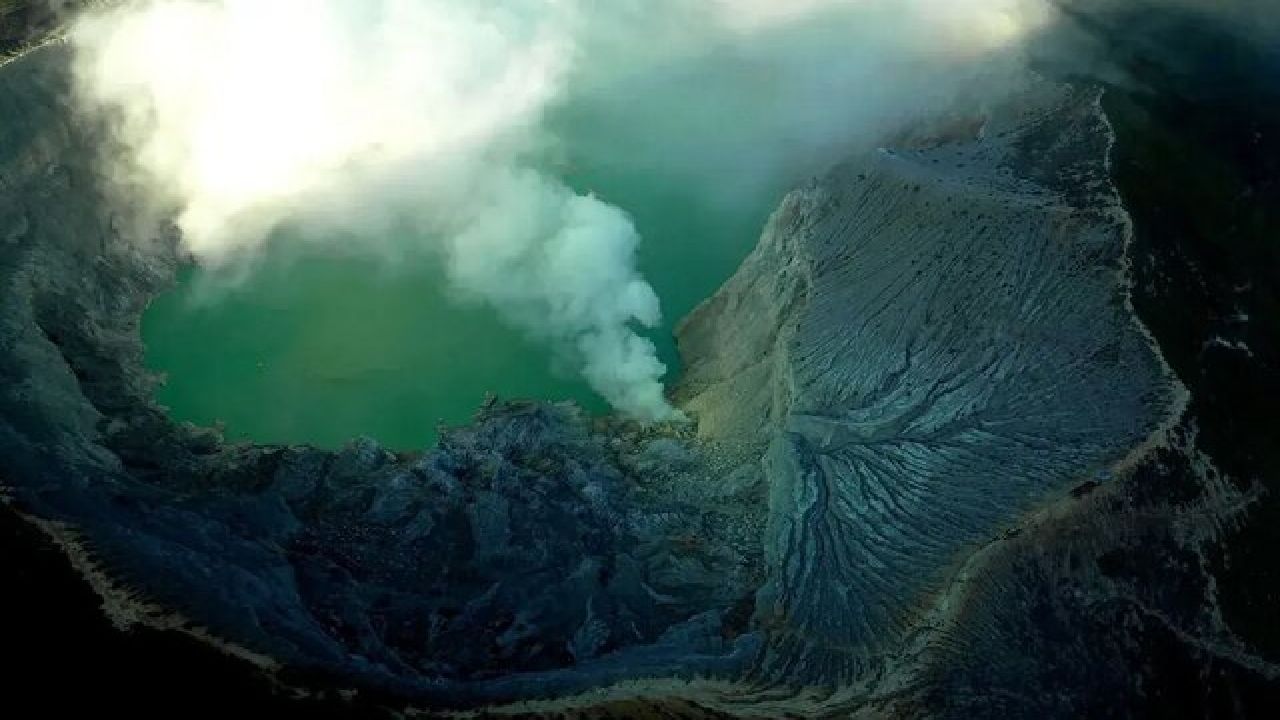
[932, 439]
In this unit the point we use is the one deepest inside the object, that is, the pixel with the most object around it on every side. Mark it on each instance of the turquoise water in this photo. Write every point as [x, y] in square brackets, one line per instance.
[318, 348]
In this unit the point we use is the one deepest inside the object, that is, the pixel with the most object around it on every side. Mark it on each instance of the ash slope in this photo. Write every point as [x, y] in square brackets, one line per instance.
[929, 349]
[949, 347]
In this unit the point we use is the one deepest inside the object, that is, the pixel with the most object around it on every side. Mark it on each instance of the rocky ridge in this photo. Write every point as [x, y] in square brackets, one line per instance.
[921, 404]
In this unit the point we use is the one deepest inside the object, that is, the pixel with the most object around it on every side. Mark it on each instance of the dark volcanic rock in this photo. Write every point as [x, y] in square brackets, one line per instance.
[528, 554]
[939, 468]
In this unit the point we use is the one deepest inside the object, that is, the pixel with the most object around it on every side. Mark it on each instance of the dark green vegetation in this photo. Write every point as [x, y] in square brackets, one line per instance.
[25, 22]
[1198, 162]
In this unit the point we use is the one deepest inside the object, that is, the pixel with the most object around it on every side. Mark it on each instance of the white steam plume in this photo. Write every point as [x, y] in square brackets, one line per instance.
[349, 117]
[253, 113]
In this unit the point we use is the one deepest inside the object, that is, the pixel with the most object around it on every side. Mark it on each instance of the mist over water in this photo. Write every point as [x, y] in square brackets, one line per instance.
[318, 346]
[319, 349]
[529, 177]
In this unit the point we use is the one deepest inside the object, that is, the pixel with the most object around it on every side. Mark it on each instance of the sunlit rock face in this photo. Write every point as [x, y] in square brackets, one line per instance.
[928, 343]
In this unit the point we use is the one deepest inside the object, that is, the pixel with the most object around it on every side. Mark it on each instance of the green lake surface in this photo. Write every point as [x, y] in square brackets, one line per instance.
[313, 347]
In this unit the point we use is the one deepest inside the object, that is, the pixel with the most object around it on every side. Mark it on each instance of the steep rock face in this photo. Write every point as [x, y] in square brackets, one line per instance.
[929, 343]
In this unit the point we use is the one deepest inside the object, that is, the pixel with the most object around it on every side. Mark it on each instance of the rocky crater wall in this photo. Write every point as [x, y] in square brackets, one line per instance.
[930, 348]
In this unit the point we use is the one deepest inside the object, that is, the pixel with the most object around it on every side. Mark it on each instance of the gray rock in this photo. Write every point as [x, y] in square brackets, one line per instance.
[929, 345]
